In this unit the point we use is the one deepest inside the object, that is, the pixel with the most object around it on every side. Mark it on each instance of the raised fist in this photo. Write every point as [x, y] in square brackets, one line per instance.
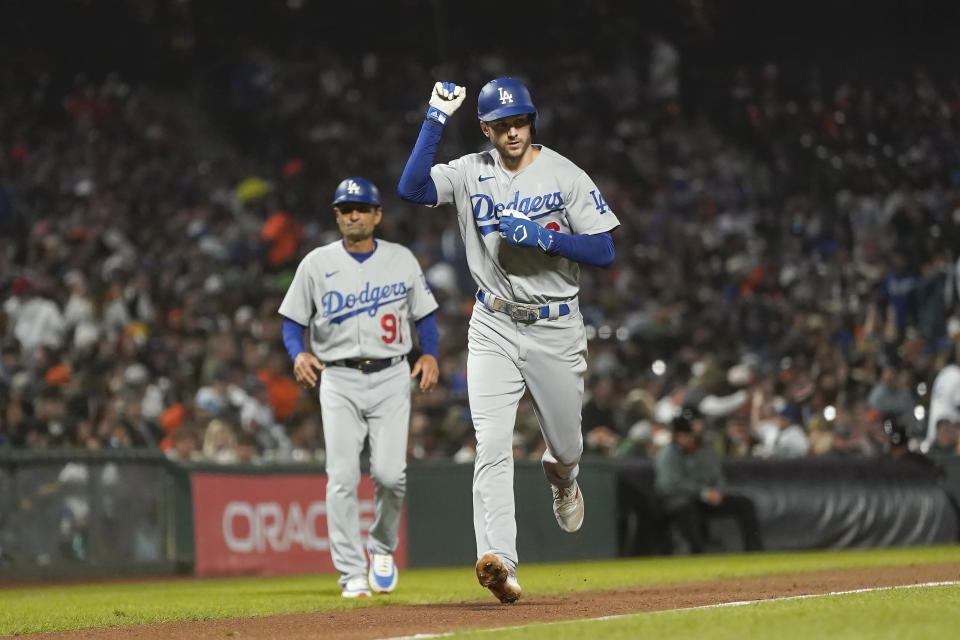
[444, 100]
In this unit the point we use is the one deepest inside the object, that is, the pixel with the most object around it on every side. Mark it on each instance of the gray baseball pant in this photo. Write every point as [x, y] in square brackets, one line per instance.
[355, 405]
[505, 358]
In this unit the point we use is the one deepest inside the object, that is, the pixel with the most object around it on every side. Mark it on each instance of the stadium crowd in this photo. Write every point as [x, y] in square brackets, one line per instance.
[785, 267]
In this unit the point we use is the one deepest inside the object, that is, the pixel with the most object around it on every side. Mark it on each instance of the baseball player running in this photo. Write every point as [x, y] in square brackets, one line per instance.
[528, 217]
[357, 297]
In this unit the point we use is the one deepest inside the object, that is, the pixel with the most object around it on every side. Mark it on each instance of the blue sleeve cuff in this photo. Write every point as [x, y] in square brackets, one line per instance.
[429, 335]
[437, 116]
[415, 184]
[293, 337]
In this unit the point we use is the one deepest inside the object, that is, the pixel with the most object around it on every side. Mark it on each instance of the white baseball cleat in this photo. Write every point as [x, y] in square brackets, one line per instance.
[356, 588]
[494, 575]
[568, 507]
[383, 572]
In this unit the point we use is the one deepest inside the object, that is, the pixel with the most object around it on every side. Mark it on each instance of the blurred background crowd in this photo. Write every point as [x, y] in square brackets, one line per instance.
[787, 263]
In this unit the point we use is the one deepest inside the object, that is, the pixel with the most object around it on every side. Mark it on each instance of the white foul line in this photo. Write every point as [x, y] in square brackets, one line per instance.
[739, 603]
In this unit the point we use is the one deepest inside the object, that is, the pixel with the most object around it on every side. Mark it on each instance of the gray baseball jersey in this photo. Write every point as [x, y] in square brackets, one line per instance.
[506, 357]
[358, 310]
[553, 191]
[361, 310]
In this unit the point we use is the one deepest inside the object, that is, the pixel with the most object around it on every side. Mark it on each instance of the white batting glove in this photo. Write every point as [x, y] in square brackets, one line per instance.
[444, 100]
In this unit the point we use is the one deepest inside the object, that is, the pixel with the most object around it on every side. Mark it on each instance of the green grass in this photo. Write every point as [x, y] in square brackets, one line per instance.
[897, 614]
[60, 608]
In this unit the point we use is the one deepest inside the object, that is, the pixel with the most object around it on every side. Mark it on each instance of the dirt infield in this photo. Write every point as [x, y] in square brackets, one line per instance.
[392, 621]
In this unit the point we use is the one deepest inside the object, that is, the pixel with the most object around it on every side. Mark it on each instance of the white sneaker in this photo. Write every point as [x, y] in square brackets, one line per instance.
[383, 572]
[356, 588]
[568, 507]
[494, 575]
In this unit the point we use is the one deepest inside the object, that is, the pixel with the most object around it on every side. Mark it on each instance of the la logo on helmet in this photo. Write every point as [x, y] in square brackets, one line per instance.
[505, 96]
[353, 187]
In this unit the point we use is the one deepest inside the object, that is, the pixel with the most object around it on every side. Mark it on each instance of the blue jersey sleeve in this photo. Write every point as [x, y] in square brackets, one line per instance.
[593, 249]
[415, 184]
[293, 337]
[428, 334]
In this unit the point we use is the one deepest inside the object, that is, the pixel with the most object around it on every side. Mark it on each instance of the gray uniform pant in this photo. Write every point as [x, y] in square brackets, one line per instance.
[355, 405]
[505, 358]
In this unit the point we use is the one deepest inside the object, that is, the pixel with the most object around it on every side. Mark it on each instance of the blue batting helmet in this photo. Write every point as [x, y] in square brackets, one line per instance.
[504, 97]
[357, 189]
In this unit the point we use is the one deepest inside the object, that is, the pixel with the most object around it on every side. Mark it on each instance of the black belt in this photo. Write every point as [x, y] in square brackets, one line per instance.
[366, 365]
[520, 312]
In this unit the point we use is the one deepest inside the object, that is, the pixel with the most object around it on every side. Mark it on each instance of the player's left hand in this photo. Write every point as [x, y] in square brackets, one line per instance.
[521, 231]
[445, 98]
[306, 366]
[429, 371]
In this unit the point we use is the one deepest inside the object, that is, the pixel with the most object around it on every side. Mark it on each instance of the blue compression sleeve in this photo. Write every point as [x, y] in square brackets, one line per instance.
[429, 336]
[596, 249]
[415, 184]
[293, 337]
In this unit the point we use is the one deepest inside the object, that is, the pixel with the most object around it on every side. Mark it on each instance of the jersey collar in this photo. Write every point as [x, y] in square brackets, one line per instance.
[360, 257]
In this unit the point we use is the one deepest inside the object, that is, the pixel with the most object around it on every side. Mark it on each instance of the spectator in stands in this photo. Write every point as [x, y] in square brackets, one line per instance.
[900, 429]
[598, 420]
[738, 440]
[842, 442]
[892, 394]
[212, 400]
[899, 287]
[305, 440]
[36, 318]
[781, 434]
[247, 449]
[186, 446]
[117, 433]
[220, 442]
[689, 480]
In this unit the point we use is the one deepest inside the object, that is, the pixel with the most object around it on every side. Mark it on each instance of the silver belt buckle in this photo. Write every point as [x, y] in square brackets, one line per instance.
[517, 312]
[523, 314]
